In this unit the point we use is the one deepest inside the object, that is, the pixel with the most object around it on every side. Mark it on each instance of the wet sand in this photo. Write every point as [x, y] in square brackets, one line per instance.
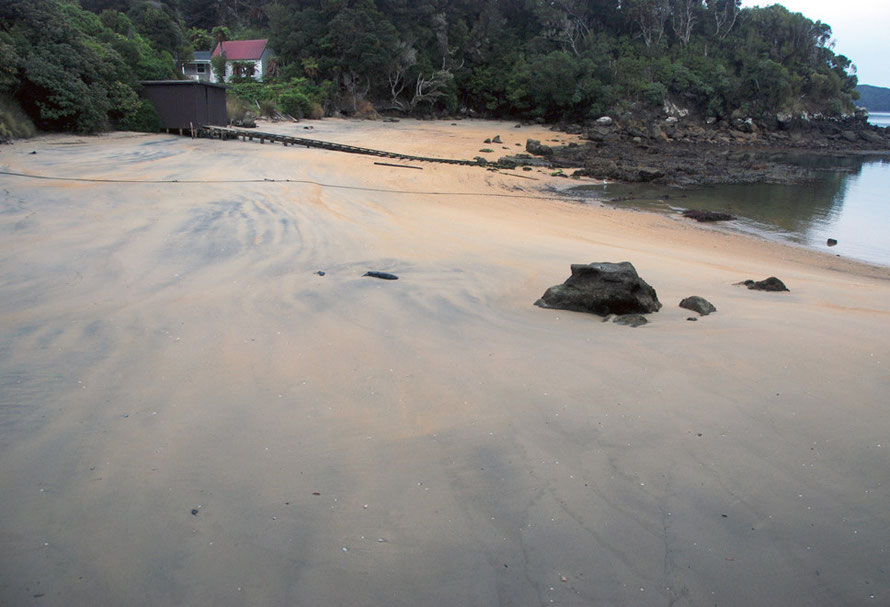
[168, 348]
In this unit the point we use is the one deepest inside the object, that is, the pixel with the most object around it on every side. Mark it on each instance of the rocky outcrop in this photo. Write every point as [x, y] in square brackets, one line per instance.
[533, 146]
[675, 148]
[698, 304]
[602, 288]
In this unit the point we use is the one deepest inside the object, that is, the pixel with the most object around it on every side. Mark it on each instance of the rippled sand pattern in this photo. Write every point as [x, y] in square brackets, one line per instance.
[191, 415]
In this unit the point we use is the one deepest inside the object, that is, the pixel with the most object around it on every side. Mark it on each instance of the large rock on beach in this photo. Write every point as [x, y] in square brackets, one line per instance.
[602, 288]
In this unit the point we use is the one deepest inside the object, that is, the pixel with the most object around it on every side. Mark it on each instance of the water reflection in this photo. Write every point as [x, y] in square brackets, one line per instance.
[844, 198]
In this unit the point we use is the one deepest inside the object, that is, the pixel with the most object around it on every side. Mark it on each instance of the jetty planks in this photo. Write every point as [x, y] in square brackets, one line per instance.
[225, 132]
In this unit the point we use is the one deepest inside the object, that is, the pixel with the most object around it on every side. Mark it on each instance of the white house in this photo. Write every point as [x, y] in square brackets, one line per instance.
[250, 57]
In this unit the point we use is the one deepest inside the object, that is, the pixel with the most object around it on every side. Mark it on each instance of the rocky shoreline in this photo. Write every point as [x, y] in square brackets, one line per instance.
[684, 152]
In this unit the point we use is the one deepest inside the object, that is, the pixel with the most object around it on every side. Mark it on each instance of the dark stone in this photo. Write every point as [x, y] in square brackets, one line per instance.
[631, 320]
[692, 319]
[320, 273]
[701, 215]
[602, 288]
[194, 512]
[770, 284]
[647, 173]
[487, 140]
[871, 137]
[698, 304]
[832, 242]
[497, 139]
[533, 146]
[381, 275]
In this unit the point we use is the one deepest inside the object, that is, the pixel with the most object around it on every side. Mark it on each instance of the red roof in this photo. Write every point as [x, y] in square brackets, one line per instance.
[241, 50]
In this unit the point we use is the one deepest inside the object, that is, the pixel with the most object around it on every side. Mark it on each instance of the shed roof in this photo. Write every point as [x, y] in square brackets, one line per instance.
[201, 55]
[240, 50]
[185, 82]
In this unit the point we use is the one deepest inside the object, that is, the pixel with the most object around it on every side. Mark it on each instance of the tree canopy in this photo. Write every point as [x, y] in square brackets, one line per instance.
[76, 66]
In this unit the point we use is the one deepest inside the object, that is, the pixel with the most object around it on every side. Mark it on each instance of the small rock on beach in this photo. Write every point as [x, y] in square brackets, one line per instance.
[381, 275]
[698, 304]
[768, 284]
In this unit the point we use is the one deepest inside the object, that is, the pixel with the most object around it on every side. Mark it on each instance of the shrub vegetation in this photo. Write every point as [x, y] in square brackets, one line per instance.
[76, 66]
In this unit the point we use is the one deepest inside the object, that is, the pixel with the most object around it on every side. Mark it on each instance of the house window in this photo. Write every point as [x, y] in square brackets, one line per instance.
[200, 69]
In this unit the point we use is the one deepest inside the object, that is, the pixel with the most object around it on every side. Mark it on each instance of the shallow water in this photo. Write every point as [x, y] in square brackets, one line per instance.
[879, 118]
[844, 199]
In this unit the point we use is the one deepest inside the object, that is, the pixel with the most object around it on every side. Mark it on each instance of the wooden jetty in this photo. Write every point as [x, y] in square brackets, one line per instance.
[223, 132]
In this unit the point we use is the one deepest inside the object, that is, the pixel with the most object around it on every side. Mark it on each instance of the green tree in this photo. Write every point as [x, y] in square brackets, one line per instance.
[218, 65]
[200, 39]
[160, 24]
[69, 73]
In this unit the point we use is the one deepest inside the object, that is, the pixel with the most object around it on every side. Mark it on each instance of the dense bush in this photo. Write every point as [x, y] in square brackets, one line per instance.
[566, 60]
[563, 60]
[138, 115]
[72, 70]
[298, 97]
[295, 104]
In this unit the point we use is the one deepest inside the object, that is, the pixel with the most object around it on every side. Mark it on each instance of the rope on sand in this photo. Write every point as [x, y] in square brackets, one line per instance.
[267, 180]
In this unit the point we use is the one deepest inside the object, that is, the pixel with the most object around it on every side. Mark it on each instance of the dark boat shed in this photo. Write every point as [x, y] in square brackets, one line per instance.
[187, 104]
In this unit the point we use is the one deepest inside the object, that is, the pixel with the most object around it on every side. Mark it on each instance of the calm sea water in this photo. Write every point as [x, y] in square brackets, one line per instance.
[847, 199]
[879, 118]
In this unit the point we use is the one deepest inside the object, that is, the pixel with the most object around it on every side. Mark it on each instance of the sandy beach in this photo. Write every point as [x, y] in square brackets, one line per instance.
[191, 415]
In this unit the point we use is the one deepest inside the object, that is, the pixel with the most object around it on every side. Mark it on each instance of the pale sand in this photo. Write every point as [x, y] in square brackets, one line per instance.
[168, 347]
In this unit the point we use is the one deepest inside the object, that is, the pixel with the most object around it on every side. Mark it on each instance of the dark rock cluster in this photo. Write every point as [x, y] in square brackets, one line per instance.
[768, 284]
[681, 150]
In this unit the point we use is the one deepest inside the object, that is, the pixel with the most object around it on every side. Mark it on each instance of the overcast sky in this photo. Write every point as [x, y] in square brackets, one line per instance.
[861, 31]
